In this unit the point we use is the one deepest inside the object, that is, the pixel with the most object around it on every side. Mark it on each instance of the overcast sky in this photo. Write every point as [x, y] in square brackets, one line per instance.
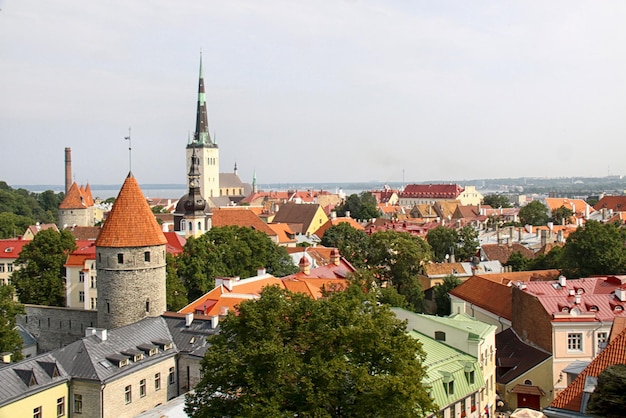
[314, 91]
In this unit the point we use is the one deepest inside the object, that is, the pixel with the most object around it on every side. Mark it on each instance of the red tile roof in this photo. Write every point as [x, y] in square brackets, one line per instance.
[77, 198]
[616, 203]
[486, 294]
[240, 217]
[85, 250]
[332, 222]
[175, 243]
[284, 233]
[614, 353]
[84, 232]
[434, 191]
[131, 223]
[12, 247]
[502, 252]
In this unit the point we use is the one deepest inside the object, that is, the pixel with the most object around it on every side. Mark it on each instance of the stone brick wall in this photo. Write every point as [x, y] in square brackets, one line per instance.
[79, 217]
[530, 320]
[55, 327]
[133, 289]
[189, 374]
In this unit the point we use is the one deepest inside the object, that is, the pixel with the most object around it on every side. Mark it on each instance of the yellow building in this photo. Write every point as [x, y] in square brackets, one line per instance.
[37, 387]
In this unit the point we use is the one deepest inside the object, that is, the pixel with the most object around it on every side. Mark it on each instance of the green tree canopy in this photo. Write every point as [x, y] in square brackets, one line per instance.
[176, 294]
[497, 201]
[287, 355]
[534, 213]
[609, 398]
[352, 243]
[10, 340]
[518, 262]
[561, 214]
[593, 249]
[37, 207]
[12, 225]
[442, 298]
[229, 251]
[39, 276]
[443, 241]
[396, 258]
[467, 244]
[361, 206]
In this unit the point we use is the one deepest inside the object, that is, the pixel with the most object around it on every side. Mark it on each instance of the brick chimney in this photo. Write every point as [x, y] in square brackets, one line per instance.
[68, 169]
[305, 265]
[334, 256]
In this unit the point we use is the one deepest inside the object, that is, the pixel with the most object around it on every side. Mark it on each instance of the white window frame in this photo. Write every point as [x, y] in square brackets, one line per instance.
[575, 341]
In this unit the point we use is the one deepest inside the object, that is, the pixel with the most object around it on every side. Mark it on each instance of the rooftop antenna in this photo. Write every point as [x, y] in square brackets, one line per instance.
[130, 166]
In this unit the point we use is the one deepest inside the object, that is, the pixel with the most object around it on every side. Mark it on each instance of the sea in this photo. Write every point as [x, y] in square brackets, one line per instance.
[175, 191]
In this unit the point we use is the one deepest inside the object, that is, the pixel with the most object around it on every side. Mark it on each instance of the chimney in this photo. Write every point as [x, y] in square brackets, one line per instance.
[305, 265]
[68, 169]
[334, 256]
[562, 280]
[333, 214]
[347, 214]
[188, 319]
[620, 293]
[7, 357]
[227, 282]
[101, 333]
[577, 299]
[215, 319]
[261, 271]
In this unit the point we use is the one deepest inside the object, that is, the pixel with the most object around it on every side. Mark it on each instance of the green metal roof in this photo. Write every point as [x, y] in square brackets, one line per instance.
[445, 364]
[477, 329]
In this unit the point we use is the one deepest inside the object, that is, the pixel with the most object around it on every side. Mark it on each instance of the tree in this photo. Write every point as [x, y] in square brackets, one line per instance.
[287, 355]
[361, 206]
[39, 278]
[12, 225]
[443, 241]
[534, 213]
[561, 214]
[518, 262]
[552, 260]
[497, 201]
[442, 297]
[609, 398]
[352, 243]
[10, 340]
[467, 244]
[593, 249]
[396, 258]
[229, 251]
[176, 297]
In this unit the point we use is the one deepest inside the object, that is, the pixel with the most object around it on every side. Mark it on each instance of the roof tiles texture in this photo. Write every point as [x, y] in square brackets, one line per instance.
[440, 191]
[131, 223]
[486, 294]
[77, 198]
[242, 218]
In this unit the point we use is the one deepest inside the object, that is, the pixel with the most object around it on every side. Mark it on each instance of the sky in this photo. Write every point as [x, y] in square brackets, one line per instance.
[313, 91]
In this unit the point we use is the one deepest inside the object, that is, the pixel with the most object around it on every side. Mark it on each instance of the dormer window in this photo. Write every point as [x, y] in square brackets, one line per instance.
[134, 354]
[440, 336]
[618, 308]
[163, 344]
[149, 349]
[579, 290]
[119, 359]
[565, 309]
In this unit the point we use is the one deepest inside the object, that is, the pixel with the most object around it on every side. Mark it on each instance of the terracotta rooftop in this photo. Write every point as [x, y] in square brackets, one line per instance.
[616, 203]
[502, 252]
[131, 223]
[614, 353]
[512, 277]
[436, 191]
[332, 222]
[84, 232]
[77, 198]
[12, 247]
[240, 217]
[486, 294]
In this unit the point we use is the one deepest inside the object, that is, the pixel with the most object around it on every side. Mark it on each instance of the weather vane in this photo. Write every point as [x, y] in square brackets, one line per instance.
[130, 166]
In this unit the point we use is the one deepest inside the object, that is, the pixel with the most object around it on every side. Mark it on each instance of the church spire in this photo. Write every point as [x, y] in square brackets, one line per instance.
[201, 135]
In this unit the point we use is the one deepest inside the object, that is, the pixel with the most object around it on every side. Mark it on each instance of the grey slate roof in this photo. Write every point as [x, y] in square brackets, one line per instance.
[514, 357]
[15, 377]
[27, 338]
[88, 357]
[190, 340]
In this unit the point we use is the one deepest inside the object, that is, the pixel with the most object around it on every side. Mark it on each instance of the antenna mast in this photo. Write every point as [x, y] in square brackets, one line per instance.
[130, 166]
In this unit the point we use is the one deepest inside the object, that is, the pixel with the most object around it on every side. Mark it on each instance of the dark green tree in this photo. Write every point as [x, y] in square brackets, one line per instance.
[467, 244]
[443, 241]
[352, 243]
[561, 214]
[39, 274]
[442, 297]
[229, 251]
[534, 213]
[593, 249]
[288, 355]
[361, 206]
[12, 225]
[518, 262]
[10, 340]
[396, 259]
[176, 297]
[552, 260]
[609, 398]
[497, 201]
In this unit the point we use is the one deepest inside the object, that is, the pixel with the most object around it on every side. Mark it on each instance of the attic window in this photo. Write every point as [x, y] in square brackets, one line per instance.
[440, 336]
[27, 376]
[528, 382]
[136, 355]
[565, 309]
[579, 290]
[119, 359]
[618, 308]
[149, 349]
[8, 250]
[163, 344]
[593, 308]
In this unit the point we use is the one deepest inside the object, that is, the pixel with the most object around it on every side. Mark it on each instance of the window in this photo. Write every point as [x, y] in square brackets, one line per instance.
[81, 277]
[2, 268]
[61, 407]
[93, 282]
[81, 296]
[449, 387]
[440, 336]
[78, 403]
[10, 267]
[602, 340]
[528, 382]
[575, 341]
[172, 378]
[146, 256]
[471, 378]
[120, 258]
[147, 305]
[93, 303]
[128, 395]
[157, 381]
[37, 412]
[142, 387]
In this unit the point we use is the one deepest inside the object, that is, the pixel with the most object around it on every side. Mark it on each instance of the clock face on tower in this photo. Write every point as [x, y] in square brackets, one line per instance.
[192, 183]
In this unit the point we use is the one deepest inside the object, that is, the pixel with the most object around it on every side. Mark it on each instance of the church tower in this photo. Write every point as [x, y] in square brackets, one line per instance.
[205, 148]
[196, 221]
[130, 260]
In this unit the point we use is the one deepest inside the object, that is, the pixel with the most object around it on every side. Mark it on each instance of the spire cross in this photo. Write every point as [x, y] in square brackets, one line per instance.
[130, 166]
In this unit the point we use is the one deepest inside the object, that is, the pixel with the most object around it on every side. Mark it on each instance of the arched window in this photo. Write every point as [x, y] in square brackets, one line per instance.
[199, 226]
[528, 382]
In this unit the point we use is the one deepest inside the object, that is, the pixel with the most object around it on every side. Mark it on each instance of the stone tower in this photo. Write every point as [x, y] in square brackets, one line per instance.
[205, 148]
[130, 260]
